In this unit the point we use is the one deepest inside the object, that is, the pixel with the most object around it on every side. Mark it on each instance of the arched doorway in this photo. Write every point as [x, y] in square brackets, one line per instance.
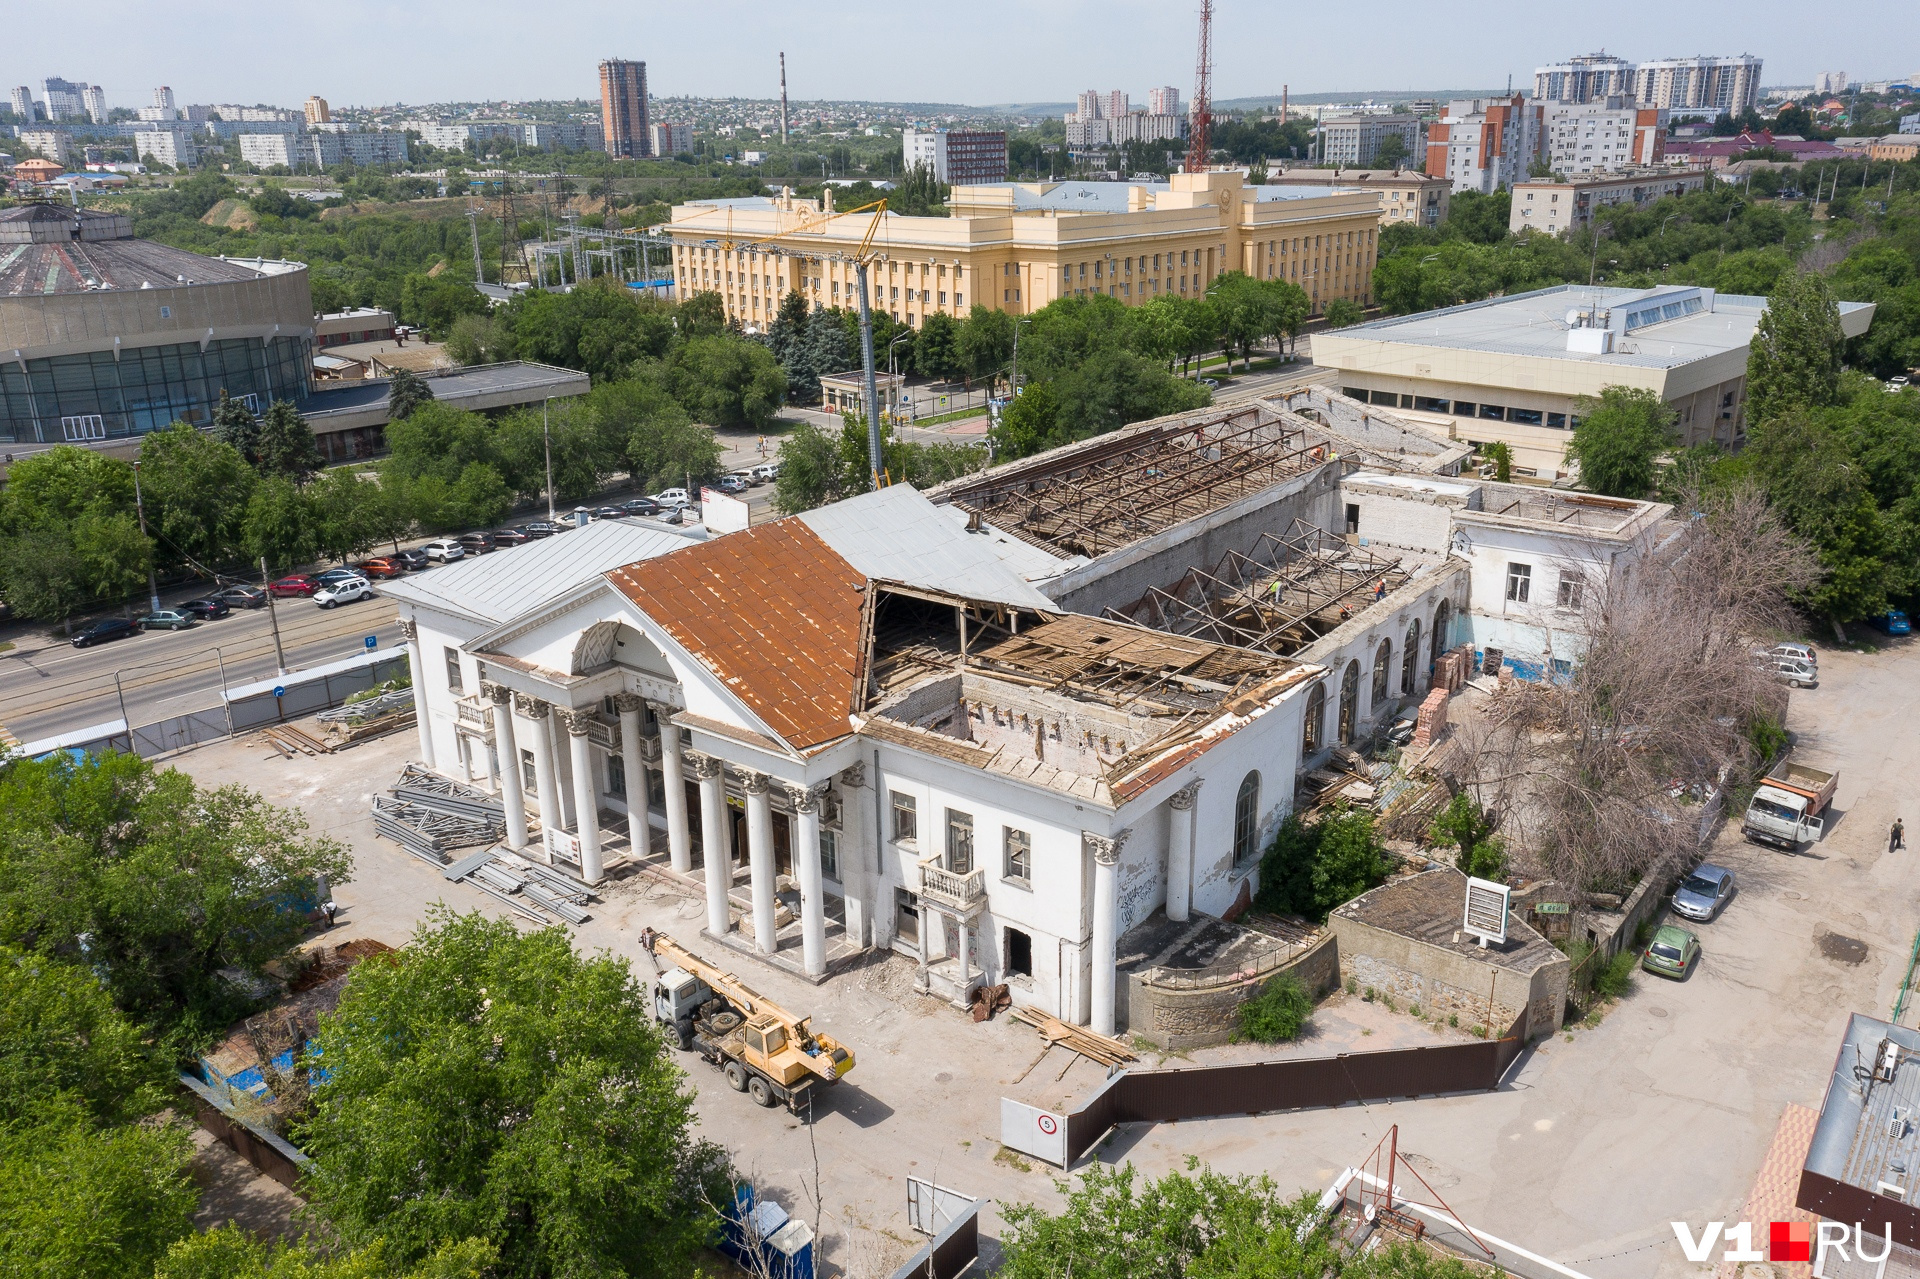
[1311, 727]
[1410, 659]
[1382, 676]
[1349, 701]
[1442, 624]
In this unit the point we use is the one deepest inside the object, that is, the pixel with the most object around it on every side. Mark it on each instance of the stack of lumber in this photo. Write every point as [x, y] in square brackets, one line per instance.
[1108, 1052]
[291, 741]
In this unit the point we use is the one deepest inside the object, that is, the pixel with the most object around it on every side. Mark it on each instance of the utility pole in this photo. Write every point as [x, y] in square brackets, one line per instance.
[273, 619]
[153, 590]
[546, 432]
[473, 224]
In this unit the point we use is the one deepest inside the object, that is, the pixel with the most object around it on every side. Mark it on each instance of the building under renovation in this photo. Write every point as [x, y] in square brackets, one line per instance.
[996, 725]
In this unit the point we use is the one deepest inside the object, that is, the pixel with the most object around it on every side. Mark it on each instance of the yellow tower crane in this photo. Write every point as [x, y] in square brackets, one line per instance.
[860, 257]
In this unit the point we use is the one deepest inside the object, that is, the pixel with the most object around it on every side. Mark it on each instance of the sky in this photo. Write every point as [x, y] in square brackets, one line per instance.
[981, 52]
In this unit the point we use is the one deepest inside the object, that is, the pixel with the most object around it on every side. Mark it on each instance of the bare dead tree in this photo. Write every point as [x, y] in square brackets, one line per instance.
[1599, 775]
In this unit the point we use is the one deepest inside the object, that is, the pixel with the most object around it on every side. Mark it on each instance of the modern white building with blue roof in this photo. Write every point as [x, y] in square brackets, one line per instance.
[1511, 369]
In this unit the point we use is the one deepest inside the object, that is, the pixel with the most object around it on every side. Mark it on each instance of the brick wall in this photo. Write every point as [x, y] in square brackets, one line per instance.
[1177, 1019]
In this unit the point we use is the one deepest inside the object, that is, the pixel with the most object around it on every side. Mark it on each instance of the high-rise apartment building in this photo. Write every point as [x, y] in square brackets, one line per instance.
[1087, 105]
[1109, 118]
[94, 99]
[64, 99]
[1116, 105]
[317, 112]
[51, 143]
[957, 157]
[1603, 136]
[1830, 82]
[1728, 84]
[1483, 144]
[1359, 139]
[23, 104]
[163, 98]
[672, 139]
[1163, 101]
[623, 108]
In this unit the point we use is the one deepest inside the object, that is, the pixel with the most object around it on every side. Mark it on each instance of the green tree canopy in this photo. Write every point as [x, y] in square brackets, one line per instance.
[1311, 867]
[196, 491]
[285, 443]
[726, 383]
[1620, 439]
[1794, 360]
[406, 392]
[435, 302]
[494, 1084]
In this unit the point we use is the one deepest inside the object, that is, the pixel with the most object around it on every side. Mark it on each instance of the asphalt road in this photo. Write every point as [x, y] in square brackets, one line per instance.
[50, 687]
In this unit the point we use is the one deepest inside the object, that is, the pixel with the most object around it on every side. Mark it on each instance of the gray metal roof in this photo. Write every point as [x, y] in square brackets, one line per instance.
[1856, 1141]
[516, 580]
[1535, 324]
[896, 535]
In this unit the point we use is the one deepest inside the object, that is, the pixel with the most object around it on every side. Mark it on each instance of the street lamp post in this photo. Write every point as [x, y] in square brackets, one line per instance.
[153, 589]
[546, 435]
[273, 619]
[896, 342]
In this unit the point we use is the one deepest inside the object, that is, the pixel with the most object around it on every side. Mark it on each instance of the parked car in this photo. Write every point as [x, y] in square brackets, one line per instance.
[210, 607]
[353, 588]
[610, 513]
[412, 560]
[1672, 952]
[1893, 622]
[333, 575]
[1212, 384]
[1797, 651]
[444, 551]
[107, 628]
[510, 537]
[1704, 892]
[766, 473]
[380, 566]
[1897, 383]
[732, 484]
[641, 506]
[671, 499]
[167, 619]
[1795, 673]
[541, 528]
[475, 543]
[295, 585]
[241, 595]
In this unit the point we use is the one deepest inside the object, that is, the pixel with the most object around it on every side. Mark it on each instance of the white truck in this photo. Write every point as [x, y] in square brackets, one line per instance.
[1787, 807]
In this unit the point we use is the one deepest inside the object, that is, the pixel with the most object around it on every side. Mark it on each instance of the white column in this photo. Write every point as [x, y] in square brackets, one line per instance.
[858, 878]
[1180, 851]
[562, 773]
[513, 797]
[813, 898]
[537, 715]
[633, 773]
[673, 781]
[1106, 858]
[586, 796]
[419, 669]
[966, 944]
[760, 859]
[713, 839]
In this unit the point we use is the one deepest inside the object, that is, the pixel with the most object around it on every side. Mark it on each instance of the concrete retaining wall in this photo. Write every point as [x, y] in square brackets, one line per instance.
[1441, 981]
[1175, 1018]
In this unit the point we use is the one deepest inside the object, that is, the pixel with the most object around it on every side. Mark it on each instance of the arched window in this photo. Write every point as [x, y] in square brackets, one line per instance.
[1349, 701]
[1316, 717]
[1442, 624]
[1382, 676]
[1246, 818]
[1410, 659]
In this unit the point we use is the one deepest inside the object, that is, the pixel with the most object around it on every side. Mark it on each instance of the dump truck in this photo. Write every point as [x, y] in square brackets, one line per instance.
[763, 1050]
[1787, 805]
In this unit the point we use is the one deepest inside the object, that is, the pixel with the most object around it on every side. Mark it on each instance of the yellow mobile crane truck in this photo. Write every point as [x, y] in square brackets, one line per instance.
[763, 1050]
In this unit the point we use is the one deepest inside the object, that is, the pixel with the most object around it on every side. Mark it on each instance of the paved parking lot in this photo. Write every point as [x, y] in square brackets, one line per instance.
[1662, 1112]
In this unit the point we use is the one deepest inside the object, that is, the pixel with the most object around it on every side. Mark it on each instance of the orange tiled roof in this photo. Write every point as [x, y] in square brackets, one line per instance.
[773, 612]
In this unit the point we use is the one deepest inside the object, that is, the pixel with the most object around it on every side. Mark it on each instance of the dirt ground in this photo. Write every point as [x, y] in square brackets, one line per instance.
[1600, 1138]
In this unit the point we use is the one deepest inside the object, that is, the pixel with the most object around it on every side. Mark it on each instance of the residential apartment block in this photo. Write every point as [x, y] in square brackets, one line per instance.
[623, 109]
[63, 99]
[317, 111]
[1017, 246]
[1110, 119]
[1681, 85]
[1357, 139]
[324, 149]
[171, 147]
[1164, 101]
[50, 143]
[1603, 135]
[1483, 144]
[672, 139]
[1560, 205]
[1405, 196]
[957, 157]
[20, 99]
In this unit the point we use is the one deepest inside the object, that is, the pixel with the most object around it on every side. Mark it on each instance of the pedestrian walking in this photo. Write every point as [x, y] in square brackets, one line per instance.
[1897, 837]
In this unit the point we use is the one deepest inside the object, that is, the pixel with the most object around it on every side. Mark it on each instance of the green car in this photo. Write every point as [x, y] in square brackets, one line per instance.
[1672, 953]
[167, 619]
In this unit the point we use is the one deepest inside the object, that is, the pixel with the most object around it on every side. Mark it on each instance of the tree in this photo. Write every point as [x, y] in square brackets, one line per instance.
[406, 391]
[235, 425]
[1246, 311]
[67, 1056]
[478, 339]
[285, 443]
[985, 344]
[702, 315]
[230, 1252]
[348, 513]
[163, 888]
[1469, 830]
[1391, 152]
[1620, 439]
[43, 575]
[1278, 1013]
[725, 382]
[811, 474]
[94, 1203]
[1794, 359]
[1311, 867]
[494, 1084]
[1343, 313]
[280, 524]
[936, 353]
[196, 491]
[435, 302]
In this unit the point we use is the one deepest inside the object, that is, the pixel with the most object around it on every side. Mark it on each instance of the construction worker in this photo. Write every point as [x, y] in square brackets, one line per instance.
[1897, 837]
[1380, 591]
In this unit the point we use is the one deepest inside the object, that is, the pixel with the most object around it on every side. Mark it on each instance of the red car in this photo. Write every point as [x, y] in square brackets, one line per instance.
[295, 585]
[381, 567]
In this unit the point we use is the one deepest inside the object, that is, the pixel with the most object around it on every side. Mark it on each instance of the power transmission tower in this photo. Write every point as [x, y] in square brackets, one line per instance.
[473, 224]
[1200, 145]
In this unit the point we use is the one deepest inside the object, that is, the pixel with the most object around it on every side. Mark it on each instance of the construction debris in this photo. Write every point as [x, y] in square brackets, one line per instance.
[290, 741]
[1094, 1047]
[428, 834]
[542, 895]
[440, 794]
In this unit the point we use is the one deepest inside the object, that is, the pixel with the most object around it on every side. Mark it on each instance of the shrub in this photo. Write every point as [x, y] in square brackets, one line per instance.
[1453, 1019]
[1277, 1013]
[1312, 867]
[1414, 1009]
[1353, 987]
[1616, 979]
[1369, 995]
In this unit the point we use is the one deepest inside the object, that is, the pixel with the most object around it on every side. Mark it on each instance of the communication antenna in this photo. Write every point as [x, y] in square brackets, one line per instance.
[783, 99]
[1200, 145]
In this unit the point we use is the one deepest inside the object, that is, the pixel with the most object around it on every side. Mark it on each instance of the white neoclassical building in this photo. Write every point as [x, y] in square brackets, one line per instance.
[994, 726]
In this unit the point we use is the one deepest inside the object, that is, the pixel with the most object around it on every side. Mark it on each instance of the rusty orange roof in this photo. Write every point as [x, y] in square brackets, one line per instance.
[773, 612]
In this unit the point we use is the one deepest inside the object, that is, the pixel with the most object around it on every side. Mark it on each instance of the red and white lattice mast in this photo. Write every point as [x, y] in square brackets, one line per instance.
[1200, 139]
